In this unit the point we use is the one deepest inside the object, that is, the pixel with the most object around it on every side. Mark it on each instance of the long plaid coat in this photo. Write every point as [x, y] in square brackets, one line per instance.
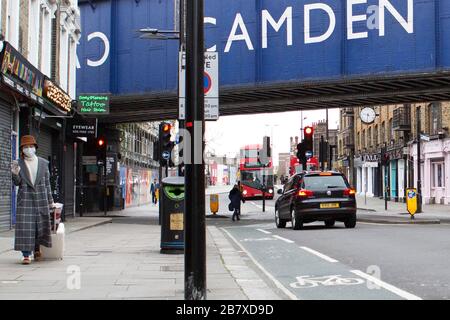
[33, 214]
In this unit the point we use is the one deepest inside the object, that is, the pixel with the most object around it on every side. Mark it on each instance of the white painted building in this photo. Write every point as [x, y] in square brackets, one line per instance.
[31, 27]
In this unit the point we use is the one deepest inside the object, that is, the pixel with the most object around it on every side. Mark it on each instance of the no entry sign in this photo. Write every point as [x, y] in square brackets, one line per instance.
[210, 86]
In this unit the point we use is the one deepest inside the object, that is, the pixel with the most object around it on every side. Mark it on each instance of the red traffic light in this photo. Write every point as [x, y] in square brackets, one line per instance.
[166, 128]
[308, 131]
[100, 142]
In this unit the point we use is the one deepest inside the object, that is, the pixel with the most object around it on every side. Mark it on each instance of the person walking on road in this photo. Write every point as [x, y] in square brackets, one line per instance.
[235, 197]
[34, 201]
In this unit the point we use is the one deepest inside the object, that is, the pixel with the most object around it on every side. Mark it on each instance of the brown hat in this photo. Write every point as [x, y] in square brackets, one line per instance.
[27, 140]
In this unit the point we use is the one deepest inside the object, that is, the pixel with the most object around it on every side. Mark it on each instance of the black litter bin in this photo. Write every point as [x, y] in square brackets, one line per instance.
[172, 215]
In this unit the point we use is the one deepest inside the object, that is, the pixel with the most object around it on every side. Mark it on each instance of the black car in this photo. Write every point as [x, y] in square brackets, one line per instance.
[316, 196]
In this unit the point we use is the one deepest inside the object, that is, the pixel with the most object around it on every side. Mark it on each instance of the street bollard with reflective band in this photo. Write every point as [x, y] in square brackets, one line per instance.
[411, 202]
[214, 203]
[172, 223]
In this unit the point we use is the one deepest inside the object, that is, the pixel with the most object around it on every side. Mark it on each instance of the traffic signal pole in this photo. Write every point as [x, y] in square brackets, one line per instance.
[195, 228]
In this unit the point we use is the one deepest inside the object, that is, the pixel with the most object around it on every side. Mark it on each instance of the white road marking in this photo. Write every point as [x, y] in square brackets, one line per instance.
[283, 239]
[320, 255]
[387, 286]
[275, 281]
[264, 231]
[257, 239]
[260, 207]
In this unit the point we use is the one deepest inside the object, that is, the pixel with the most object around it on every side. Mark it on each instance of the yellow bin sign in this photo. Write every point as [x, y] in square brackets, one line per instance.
[214, 203]
[411, 201]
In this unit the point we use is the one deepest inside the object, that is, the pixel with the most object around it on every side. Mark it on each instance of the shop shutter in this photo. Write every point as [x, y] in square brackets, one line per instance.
[5, 167]
[44, 140]
[68, 174]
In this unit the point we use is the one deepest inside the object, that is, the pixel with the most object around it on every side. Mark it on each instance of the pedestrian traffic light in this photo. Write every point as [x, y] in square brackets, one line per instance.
[308, 133]
[165, 143]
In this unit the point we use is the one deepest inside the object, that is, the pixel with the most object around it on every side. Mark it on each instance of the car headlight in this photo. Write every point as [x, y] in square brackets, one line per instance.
[245, 192]
[270, 191]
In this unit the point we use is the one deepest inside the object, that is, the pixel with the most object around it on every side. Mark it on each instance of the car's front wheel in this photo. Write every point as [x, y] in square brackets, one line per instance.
[280, 223]
[297, 224]
[351, 222]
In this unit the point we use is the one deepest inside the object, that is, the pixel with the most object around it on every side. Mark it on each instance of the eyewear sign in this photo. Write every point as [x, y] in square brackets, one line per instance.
[86, 128]
[93, 104]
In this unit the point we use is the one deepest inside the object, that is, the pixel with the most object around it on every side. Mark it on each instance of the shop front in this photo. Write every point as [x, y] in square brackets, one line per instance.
[436, 171]
[398, 173]
[367, 174]
[29, 104]
[20, 85]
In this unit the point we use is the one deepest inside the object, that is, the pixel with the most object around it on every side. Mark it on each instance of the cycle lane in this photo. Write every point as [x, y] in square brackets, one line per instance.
[305, 274]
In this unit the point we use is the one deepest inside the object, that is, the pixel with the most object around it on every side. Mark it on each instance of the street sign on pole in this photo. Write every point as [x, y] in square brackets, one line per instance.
[210, 86]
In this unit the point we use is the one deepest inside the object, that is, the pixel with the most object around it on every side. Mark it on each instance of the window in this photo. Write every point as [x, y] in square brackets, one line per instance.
[383, 133]
[391, 131]
[369, 138]
[324, 182]
[363, 139]
[375, 136]
[435, 111]
[438, 175]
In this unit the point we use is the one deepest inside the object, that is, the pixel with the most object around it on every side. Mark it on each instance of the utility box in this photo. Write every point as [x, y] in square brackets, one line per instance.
[172, 215]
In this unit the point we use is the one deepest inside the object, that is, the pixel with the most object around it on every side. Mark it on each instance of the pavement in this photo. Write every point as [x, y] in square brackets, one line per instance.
[372, 209]
[118, 257]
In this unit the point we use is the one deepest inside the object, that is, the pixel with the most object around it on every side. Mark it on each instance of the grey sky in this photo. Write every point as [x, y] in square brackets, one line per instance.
[228, 134]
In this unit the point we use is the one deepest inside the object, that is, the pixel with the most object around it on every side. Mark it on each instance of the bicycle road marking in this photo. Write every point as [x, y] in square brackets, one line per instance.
[283, 239]
[264, 231]
[285, 290]
[387, 286]
[320, 255]
[305, 282]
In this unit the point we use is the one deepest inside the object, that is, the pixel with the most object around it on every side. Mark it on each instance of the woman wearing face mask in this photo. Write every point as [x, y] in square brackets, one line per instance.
[34, 199]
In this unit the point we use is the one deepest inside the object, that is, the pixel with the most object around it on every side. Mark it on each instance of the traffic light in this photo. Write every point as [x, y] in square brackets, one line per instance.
[101, 145]
[301, 152]
[265, 153]
[308, 133]
[165, 143]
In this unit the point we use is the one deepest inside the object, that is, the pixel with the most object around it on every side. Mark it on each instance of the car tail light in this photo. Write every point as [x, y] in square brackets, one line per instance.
[305, 193]
[349, 192]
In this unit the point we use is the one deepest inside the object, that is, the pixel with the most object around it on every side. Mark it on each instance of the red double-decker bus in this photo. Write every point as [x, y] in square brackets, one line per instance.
[253, 175]
[295, 167]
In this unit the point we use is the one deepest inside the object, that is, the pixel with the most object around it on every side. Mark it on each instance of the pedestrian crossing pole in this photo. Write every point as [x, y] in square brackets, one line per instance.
[195, 228]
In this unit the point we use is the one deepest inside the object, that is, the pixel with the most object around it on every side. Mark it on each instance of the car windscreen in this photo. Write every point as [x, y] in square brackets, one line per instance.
[324, 182]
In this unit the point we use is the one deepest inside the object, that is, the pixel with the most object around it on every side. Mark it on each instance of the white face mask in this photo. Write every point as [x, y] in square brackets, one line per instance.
[29, 151]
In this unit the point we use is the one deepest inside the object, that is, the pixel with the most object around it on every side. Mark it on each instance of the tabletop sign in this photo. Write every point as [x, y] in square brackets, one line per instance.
[93, 104]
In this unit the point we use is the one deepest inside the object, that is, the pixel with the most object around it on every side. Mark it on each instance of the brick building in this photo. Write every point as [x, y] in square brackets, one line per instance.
[361, 146]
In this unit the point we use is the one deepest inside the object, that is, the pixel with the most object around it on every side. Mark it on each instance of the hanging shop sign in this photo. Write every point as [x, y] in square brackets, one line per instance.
[19, 74]
[86, 128]
[93, 104]
[57, 96]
